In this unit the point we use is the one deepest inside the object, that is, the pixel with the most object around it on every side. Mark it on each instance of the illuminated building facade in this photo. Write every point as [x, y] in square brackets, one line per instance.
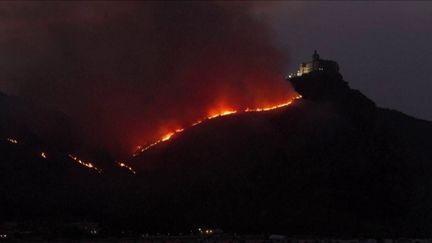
[317, 64]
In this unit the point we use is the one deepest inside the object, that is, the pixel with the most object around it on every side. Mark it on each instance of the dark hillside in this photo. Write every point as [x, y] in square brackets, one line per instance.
[332, 163]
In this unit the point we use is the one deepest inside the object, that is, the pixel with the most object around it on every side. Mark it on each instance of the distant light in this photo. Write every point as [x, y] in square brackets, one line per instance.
[44, 155]
[11, 140]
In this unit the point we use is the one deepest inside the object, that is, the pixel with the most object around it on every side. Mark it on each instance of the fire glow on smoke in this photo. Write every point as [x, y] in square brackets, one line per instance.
[141, 68]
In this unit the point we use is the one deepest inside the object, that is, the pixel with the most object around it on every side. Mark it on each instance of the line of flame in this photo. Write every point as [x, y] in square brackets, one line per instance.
[86, 164]
[168, 136]
[89, 165]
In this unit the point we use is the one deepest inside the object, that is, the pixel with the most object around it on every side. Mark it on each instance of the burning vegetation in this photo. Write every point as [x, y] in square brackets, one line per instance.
[195, 60]
[142, 67]
[44, 155]
[166, 137]
[169, 135]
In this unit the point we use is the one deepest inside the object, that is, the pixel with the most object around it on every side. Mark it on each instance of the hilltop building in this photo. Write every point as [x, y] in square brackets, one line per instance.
[316, 64]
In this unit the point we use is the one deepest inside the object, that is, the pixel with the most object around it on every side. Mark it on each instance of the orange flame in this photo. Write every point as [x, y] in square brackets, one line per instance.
[168, 136]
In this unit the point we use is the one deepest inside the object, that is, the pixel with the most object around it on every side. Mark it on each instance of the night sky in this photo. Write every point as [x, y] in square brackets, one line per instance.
[129, 72]
[383, 48]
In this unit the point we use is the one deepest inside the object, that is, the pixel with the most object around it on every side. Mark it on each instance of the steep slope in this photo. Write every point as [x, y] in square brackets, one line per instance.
[331, 163]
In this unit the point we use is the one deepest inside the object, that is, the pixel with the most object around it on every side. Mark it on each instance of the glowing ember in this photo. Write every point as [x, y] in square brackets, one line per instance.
[123, 165]
[11, 140]
[44, 155]
[86, 164]
[212, 116]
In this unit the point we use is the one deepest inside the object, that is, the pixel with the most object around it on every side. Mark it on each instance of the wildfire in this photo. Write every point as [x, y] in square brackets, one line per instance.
[123, 165]
[11, 140]
[89, 165]
[86, 164]
[169, 135]
[212, 116]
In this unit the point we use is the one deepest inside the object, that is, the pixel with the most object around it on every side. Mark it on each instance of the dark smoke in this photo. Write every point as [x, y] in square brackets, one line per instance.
[128, 72]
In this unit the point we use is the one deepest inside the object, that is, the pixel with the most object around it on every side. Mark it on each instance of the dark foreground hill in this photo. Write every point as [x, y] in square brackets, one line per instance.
[332, 163]
[34, 188]
[22, 119]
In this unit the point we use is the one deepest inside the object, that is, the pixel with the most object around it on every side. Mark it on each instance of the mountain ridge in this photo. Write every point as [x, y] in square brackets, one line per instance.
[329, 164]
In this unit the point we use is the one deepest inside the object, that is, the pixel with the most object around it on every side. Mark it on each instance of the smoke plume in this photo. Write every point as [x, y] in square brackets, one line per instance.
[129, 72]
